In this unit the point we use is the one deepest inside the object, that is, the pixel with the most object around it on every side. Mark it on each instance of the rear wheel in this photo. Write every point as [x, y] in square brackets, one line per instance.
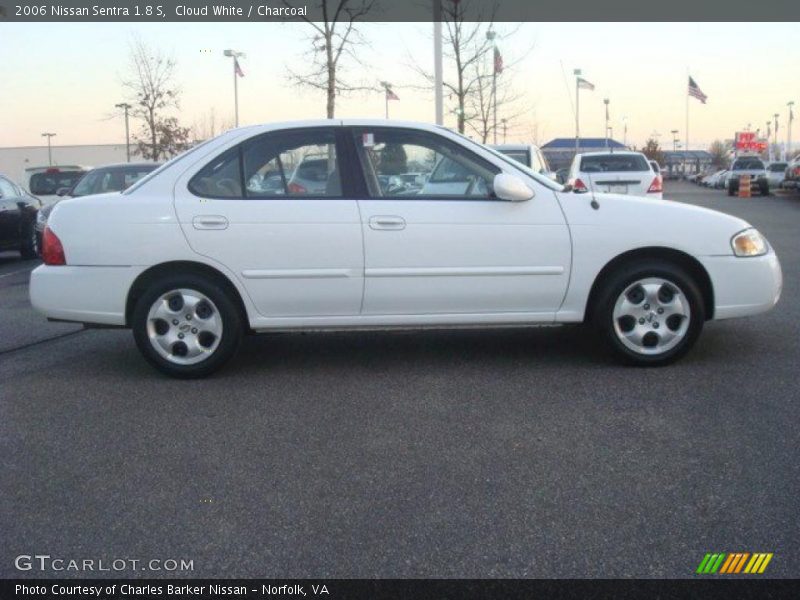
[186, 326]
[649, 313]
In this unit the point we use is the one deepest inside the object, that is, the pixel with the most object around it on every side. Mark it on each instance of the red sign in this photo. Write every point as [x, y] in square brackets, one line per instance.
[746, 140]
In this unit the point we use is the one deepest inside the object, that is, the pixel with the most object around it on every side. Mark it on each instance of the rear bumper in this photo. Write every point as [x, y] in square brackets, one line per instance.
[82, 294]
[744, 286]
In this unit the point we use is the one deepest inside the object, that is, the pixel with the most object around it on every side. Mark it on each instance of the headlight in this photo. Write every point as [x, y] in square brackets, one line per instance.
[749, 243]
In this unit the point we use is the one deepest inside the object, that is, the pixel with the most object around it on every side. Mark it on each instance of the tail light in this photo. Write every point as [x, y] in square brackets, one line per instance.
[579, 187]
[296, 188]
[656, 187]
[52, 250]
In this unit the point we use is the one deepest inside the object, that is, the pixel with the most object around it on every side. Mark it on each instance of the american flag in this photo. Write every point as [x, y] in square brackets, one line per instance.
[696, 92]
[498, 61]
[390, 95]
[584, 85]
[236, 68]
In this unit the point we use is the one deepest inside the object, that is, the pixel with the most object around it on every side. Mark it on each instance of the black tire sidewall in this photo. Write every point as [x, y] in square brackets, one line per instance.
[603, 314]
[27, 245]
[232, 326]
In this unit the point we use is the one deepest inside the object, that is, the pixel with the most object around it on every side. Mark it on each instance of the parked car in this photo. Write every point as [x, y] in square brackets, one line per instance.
[529, 155]
[17, 219]
[791, 178]
[776, 173]
[44, 183]
[102, 180]
[716, 180]
[616, 173]
[191, 266]
[747, 165]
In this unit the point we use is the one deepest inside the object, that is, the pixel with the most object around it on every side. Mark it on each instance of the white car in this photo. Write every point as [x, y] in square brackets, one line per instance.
[190, 258]
[529, 155]
[776, 173]
[622, 172]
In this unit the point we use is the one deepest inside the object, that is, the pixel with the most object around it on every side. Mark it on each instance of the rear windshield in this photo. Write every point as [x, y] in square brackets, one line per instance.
[614, 163]
[747, 163]
[47, 184]
[778, 167]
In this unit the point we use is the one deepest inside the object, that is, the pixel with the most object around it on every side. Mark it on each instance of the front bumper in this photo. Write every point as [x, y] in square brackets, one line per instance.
[744, 285]
[82, 294]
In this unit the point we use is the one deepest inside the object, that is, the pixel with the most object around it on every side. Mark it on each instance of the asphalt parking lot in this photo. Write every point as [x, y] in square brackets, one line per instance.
[505, 453]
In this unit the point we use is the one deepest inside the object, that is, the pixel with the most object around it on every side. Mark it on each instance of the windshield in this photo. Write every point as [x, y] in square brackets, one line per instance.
[614, 163]
[544, 180]
[110, 179]
[747, 163]
[47, 184]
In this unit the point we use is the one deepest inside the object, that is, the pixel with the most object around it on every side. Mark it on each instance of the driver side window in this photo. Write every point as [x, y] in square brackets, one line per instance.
[406, 164]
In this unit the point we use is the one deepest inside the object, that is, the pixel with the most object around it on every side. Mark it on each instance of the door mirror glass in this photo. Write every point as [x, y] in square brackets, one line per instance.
[511, 188]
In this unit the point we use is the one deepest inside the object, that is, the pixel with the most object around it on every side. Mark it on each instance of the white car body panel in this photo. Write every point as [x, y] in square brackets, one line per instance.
[313, 264]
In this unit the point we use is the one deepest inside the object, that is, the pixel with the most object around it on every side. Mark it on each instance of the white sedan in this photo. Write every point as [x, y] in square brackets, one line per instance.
[194, 256]
[621, 172]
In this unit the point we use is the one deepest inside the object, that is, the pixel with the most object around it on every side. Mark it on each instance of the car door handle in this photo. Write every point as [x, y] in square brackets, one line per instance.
[210, 222]
[389, 222]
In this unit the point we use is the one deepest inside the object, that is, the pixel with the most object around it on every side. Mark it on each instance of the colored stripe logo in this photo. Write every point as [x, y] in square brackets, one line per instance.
[731, 563]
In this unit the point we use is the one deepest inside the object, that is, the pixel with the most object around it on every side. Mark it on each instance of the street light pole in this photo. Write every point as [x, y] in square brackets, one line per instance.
[386, 87]
[126, 107]
[491, 36]
[505, 126]
[437, 61]
[789, 131]
[577, 73]
[49, 150]
[674, 140]
[606, 101]
[775, 132]
[235, 55]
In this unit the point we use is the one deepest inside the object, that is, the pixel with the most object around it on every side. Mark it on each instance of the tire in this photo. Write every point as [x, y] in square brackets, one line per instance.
[29, 246]
[159, 329]
[652, 282]
[764, 190]
[731, 191]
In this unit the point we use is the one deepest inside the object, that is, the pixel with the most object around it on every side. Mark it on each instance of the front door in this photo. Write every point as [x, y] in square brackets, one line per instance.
[274, 211]
[437, 242]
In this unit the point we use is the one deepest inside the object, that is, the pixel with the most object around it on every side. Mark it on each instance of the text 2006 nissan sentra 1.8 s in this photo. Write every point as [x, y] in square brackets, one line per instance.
[382, 224]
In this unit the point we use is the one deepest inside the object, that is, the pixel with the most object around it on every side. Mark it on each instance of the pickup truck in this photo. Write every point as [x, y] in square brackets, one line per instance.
[747, 165]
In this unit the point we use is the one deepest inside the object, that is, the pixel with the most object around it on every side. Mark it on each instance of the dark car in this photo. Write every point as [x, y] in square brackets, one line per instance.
[18, 219]
[102, 180]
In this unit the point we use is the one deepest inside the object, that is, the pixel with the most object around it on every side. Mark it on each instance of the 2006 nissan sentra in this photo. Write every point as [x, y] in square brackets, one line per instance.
[230, 238]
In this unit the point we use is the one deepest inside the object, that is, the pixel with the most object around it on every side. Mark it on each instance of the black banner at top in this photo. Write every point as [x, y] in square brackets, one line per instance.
[67, 11]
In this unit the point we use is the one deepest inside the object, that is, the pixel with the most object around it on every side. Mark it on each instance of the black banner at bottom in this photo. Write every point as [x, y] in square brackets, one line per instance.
[392, 589]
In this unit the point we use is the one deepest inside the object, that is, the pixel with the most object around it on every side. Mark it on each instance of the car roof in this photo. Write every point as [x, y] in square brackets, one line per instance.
[612, 152]
[512, 146]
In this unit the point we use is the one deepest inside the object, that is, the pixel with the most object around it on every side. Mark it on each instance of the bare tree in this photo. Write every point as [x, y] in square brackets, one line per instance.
[334, 37]
[468, 76]
[151, 83]
[482, 100]
[209, 126]
[719, 153]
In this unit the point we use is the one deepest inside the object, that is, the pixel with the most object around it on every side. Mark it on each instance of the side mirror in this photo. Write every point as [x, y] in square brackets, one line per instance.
[511, 188]
[62, 191]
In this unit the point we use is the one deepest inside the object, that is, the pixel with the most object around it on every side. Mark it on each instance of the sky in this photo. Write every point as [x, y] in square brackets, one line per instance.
[66, 78]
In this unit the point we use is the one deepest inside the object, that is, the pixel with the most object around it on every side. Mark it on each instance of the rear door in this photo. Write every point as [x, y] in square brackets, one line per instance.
[10, 214]
[618, 173]
[296, 250]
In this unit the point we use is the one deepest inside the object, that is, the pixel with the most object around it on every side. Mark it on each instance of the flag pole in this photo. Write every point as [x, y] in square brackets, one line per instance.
[577, 73]
[686, 149]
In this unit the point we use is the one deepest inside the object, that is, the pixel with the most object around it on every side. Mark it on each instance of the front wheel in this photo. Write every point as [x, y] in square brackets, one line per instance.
[186, 326]
[650, 313]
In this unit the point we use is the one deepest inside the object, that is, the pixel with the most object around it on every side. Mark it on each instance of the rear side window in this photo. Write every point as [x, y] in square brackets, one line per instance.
[47, 184]
[778, 167]
[614, 163]
[300, 163]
